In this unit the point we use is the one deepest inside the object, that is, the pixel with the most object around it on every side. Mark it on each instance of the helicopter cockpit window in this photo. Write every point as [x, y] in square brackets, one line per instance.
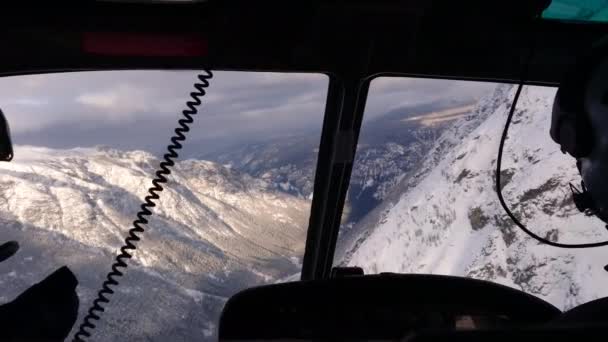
[233, 215]
[423, 195]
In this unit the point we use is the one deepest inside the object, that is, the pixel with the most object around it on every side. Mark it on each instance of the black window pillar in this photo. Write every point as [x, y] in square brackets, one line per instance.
[346, 98]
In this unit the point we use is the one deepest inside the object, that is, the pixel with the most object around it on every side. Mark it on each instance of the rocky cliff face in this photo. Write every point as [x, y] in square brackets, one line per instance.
[444, 217]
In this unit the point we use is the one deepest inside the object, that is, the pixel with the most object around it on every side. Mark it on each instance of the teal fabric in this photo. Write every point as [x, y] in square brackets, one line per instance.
[578, 10]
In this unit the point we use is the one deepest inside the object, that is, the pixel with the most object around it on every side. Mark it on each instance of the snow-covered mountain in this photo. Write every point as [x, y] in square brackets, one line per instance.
[218, 228]
[424, 196]
[444, 217]
[214, 232]
[389, 146]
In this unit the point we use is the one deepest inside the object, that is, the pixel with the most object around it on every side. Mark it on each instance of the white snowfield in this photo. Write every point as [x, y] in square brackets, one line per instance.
[92, 195]
[214, 231]
[449, 221]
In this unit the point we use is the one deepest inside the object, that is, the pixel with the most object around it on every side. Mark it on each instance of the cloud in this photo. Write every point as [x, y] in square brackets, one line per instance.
[100, 100]
[139, 109]
[388, 93]
[32, 102]
[119, 101]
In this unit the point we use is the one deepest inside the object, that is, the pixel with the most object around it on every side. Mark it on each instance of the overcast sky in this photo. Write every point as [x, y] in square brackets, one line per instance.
[138, 109]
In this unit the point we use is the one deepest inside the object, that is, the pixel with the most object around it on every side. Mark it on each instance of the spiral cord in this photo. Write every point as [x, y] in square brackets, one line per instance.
[164, 170]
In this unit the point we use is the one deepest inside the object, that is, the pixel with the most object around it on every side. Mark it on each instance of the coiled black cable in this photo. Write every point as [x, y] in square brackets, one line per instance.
[164, 170]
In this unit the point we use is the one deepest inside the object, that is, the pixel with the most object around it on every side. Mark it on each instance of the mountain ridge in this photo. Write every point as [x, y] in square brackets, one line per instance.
[446, 219]
[214, 231]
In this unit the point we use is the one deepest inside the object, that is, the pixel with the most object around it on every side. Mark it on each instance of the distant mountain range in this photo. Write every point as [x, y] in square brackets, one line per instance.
[389, 146]
[214, 232]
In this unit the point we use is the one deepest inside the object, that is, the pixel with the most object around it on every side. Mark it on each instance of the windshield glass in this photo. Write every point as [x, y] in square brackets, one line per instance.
[422, 198]
[233, 215]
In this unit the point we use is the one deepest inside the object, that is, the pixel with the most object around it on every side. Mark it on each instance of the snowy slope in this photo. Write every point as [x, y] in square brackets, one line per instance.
[214, 232]
[445, 217]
